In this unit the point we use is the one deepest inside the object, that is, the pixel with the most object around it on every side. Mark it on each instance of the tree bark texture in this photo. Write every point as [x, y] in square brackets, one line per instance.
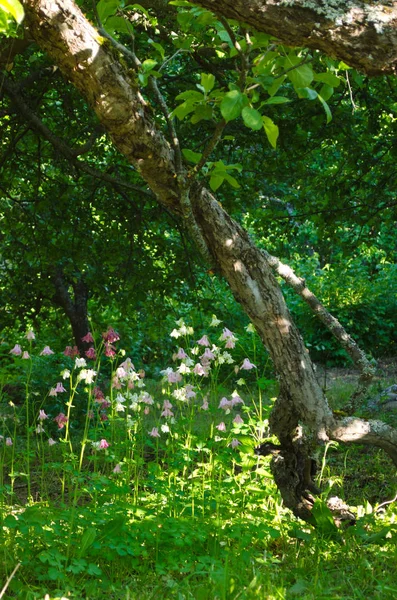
[362, 34]
[76, 308]
[91, 65]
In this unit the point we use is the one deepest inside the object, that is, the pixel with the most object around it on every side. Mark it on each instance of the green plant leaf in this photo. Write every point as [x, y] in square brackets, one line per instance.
[106, 8]
[191, 156]
[87, 540]
[329, 78]
[302, 76]
[232, 181]
[276, 100]
[271, 131]
[326, 108]
[216, 181]
[203, 112]
[232, 105]
[252, 118]
[207, 81]
[14, 7]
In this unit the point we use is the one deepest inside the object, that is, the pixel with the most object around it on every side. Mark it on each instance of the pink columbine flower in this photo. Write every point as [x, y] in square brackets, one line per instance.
[46, 351]
[221, 426]
[121, 372]
[154, 432]
[174, 377]
[208, 355]
[61, 420]
[103, 416]
[117, 468]
[226, 334]
[189, 391]
[234, 443]
[247, 365]
[200, 370]
[146, 398]
[42, 416]
[51, 442]
[181, 354]
[110, 351]
[230, 343]
[225, 404]
[26, 355]
[146, 410]
[90, 353]
[110, 336]
[103, 444]
[8, 441]
[203, 341]
[30, 336]
[17, 350]
[72, 352]
[59, 388]
[98, 394]
[167, 412]
[88, 339]
[236, 399]
[238, 420]
[204, 405]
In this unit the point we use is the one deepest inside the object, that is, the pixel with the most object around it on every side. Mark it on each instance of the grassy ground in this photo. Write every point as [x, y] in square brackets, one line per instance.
[181, 507]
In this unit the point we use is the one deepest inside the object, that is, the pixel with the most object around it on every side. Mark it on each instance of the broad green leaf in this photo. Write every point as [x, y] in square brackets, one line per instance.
[116, 23]
[276, 100]
[252, 118]
[207, 81]
[326, 108]
[183, 110]
[300, 77]
[106, 8]
[232, 181]
[14, 7]
[271, 131]
[306, 92]
[148, 65]
[232, 105]
[179, 3]
[87, 540]
[190, 95]
[328, 78]
[273, 89]
[191, 156]
[157, 47]
[203, 112]
[326, 92]
[215, 182]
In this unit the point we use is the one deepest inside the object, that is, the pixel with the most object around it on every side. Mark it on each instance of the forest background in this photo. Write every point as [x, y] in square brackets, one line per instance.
[300, 150]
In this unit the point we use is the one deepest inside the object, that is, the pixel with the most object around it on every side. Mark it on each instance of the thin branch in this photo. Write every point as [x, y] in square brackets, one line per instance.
[69, 153]
[7, 583]
[356, 354]
[209, 148]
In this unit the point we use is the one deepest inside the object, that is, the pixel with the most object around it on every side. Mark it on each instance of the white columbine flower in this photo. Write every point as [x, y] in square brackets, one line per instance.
[65, 374]
[215, 322]
[80, 362]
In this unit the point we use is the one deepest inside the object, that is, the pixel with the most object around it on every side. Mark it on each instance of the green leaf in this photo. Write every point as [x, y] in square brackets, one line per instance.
[93, 570]
[148, 65]
[232, 181]
[323, 517]
[183, 110]
[216, 181]
[273, 89]
[300, 77]
[207, 81]
[190, 95]
[105, 8]
[157, 47]
[116, 23]
[326, 92]
[271, 131]
[328, 78]
[252, 118]
[203, 112]
[326, 108]
[232, 105]
[179, 3]
[276, 100]
[87, 540]
[306, 92]
[191, 156]
[14, 7]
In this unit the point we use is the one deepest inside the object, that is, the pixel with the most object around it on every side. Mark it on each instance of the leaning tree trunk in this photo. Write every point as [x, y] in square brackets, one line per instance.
[60, 29]
[75, 307]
